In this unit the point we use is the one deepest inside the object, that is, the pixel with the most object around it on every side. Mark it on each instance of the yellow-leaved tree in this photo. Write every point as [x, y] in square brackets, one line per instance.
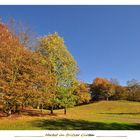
[63, 68]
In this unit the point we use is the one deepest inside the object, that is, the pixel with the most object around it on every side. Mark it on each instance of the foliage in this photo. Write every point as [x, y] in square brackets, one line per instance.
[66, 98]
[33, 77]
[23, 75]
[120, 93]
[82, 93]
[62, 66]
[102, 89]
[133, 90]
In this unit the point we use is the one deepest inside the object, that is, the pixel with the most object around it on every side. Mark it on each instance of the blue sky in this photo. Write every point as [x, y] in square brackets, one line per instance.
[104, 40]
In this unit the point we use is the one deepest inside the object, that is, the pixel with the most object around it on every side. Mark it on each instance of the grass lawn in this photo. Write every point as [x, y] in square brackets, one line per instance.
[103, 115]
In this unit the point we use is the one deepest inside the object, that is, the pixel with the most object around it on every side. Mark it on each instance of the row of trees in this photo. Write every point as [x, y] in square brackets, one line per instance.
[43, 76]
[104, 89]
[41, 73]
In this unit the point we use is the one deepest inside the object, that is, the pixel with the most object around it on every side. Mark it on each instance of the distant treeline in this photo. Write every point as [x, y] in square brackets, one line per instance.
[104, 89]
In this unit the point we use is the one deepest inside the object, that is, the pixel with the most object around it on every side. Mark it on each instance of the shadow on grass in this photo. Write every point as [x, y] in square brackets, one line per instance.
[137, 113]
[36, 113]
[67, 124]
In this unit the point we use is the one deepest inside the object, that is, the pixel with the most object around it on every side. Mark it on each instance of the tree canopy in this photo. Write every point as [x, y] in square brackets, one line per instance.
[36, 78]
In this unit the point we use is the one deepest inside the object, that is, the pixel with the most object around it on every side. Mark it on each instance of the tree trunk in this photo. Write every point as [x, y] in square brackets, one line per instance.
[37, 106]
[22, 106]
[18, 109]
[41, 107]
[52, 110]
[107, 98]
[65, 110]
[9, 113]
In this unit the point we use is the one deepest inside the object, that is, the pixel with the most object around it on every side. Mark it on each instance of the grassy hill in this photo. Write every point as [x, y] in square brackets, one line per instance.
[104, 115]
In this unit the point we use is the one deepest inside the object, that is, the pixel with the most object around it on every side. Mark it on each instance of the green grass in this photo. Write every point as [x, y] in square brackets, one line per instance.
[104, 115]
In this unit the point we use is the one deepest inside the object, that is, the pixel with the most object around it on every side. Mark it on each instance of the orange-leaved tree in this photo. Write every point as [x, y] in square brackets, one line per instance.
[102, 89]
[23, 73]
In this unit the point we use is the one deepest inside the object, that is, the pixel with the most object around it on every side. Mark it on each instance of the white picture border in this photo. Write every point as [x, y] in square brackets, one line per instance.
[69, 2]
[42, 135]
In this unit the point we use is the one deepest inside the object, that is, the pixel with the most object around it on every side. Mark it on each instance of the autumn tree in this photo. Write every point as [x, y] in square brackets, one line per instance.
[120, 93]
[82, 93]
[102, 89]
[63, 65]
[23, 73]
[9, 55]
[133, 90]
